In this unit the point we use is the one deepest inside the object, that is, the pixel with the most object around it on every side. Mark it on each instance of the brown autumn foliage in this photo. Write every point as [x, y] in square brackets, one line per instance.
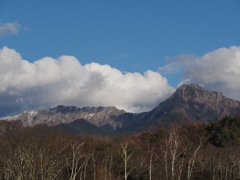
[179, 153]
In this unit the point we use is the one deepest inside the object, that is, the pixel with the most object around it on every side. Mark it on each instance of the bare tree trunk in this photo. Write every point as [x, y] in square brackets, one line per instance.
[191, 161]
[172, 150]
[165, 156]
[150, 163]
[74, 160]
[94, 167]
[125, 156]
[173, 147]
[85, 170]
[180, 169]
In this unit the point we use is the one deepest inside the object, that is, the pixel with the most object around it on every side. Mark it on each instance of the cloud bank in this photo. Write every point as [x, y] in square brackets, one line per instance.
[218, 70]
[49, 82]
[10, 28]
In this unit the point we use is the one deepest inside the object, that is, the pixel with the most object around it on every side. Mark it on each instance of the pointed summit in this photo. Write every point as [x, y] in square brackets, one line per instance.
[191, 89]
[191, 103]
[195, 92]
[191, 85]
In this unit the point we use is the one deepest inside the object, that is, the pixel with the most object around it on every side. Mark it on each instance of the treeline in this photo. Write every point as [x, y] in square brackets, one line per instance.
[187, 152]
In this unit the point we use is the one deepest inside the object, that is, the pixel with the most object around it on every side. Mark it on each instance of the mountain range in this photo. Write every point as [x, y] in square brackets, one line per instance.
[189, 103]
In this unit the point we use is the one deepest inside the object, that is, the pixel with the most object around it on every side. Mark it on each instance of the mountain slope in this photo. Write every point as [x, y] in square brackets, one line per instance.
[189, 103]
[99, 116]
[83, 127]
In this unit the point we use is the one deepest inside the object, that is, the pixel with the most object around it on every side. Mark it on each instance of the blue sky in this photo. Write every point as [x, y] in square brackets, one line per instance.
[128, 35]
[131, 35]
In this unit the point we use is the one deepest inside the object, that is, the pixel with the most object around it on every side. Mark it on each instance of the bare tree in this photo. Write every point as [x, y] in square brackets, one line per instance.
[74, 159]
[126, 155]
[172, 150]
[151, 152]
[192, 159]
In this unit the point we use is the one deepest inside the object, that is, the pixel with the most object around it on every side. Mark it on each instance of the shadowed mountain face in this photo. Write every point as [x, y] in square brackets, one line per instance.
[189, 103]
[83, 127]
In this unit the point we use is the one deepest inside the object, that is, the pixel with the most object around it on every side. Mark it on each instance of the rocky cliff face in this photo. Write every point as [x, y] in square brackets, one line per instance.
[200, 104]
[98, 116]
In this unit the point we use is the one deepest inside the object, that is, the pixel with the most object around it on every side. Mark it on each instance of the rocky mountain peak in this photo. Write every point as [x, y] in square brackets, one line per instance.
[99, 116]
[196, 93]
[195, 103]
[73, 109]
[190, 90]
[64, 109]
[190, 86]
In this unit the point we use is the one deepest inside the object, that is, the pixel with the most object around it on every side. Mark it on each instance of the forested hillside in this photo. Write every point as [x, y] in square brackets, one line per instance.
[186, 152]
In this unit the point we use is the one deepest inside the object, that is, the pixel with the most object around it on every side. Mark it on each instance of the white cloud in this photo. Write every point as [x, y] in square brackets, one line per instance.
[50, 82]
[10, 28]
[218, 70]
